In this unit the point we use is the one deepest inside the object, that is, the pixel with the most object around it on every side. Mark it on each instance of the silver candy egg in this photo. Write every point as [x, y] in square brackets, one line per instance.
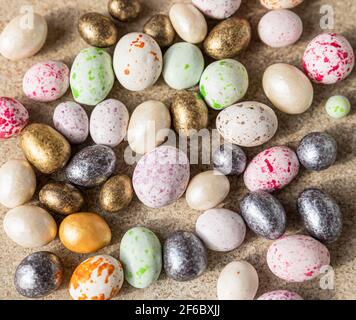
[229, 159]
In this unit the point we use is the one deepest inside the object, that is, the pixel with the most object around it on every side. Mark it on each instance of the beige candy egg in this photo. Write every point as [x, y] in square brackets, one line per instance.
[280, 4]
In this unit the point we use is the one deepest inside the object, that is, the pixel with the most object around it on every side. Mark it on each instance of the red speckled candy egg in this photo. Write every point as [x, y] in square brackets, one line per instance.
[46, 81]
[280, 295]
[272, 169]
[297, 258]
[13, 117]
[328, 59]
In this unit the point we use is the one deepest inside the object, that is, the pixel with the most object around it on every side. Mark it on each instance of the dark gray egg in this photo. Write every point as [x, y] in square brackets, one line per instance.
[91, 166]
[317, 151]
[229, 159]
[185, 256]
[320, 214]
[39, 274]
[264, 214]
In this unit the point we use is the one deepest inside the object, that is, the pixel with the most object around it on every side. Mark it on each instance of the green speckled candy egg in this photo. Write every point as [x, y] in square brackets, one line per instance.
[141, 255]
[223, 83]
[92, 76]
[338, 107]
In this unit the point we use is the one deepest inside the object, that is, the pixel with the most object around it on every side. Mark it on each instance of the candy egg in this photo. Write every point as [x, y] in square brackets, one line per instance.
[237, 281]
[221, 229]
[17, 183]
[288, 88]
[328, 59]
[229, 159]
[92, 76]
[297, 258]
[264, 214]
[71, 120]
[185, 257]
[148, 127]
[223, 83]
[108, 123]
[218, 9]
[39, 274]
[247, 124]
[188, 22]
[137, 61]
[338, 107]
[189, 113]
[61, 198]
[124, 10]
[320, 214]
[30, 226]
[280, 295]
[160, 28]
[45, 148]
[280, 4]
[141, 255]
[228, 38]
[84, 232]
[13, 117]
[97, 278]
[91, 166]
[207, 190]
[161, 176]
[272, 169]
[24, 36]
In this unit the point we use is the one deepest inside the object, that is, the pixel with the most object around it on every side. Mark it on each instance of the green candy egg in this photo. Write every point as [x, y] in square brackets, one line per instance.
[141, 255]
[92, 76]
[338, 107]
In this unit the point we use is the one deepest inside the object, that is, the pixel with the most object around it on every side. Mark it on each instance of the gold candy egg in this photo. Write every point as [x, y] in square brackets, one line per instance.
[45, 147]
[124, 10]
[160, 28]
[228, 38]
[116, 194]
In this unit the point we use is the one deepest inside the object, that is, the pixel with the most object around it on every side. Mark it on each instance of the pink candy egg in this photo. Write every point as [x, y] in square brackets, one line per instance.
[46, 81]
[280, 295]
[218, 9]
[13, 117]
[272, 169]
[328, 59]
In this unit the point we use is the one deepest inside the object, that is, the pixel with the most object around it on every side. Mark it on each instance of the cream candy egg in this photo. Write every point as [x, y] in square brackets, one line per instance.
[108, 123]
[218, 9]
[46, 81]
[137, 61]
[280, 4]
[247, 124]
[97, 278]
[329, 58]
[280, 295]
[71, 120]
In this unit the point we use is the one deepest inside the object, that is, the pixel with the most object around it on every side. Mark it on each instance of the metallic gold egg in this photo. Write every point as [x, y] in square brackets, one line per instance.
[98, 30]
[45, 148]
[116, 194]
[61, 198]
[160, 28]
[228, 38]
[189, 113]
[124, 10]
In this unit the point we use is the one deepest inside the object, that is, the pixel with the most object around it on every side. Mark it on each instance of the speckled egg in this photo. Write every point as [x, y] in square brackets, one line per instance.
[272, 169]
[320, 214]
[92, 76]
[317, 151]
[221, 229]
[264, 214]
[328, 59]
[137, 61]
[223, 83]
[39, 274]
[108, 123]
[141, 255]
[97, 278]
[338, 107]
[247, 124]
[185, 256]
[13, 117]
[297, 258]
[280, 4]
[161, 176]
[71, 120]
[280, 295]
[46, 81]
[183, 66]
[229, 159]
[218, 9]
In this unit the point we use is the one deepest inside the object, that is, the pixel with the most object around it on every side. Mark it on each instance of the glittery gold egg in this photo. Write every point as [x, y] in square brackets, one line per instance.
[98, 30]
[124, 10]
[160, 28]
[116, 194]
[45, 147]
[228, 38]
[61, 198]
[189, 113]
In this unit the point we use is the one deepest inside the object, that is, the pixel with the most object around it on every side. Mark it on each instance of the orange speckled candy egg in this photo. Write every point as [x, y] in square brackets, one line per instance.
[97, 278]
[280, 4]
